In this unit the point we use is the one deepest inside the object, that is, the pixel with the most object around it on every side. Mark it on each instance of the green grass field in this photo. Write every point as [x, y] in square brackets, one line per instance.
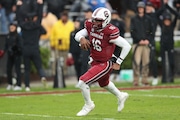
[150, 104]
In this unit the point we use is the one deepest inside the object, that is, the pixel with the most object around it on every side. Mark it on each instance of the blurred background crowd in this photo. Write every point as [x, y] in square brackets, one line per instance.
[42, 32]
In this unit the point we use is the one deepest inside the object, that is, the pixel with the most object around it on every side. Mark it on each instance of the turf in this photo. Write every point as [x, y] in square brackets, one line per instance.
[142, 104]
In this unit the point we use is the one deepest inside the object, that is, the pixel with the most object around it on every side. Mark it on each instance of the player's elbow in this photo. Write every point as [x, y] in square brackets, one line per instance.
[78, 36]
[128, 47]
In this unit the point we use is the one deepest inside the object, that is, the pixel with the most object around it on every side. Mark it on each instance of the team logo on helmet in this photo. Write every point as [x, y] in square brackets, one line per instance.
[106, 14]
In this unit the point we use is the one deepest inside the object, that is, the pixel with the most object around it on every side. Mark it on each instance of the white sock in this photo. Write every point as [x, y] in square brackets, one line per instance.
[85, 92]
[113, 89]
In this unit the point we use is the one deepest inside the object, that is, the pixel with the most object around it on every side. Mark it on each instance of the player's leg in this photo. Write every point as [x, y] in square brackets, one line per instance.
[83, 84]
[121, 96]
[89, 104]
[92, 75]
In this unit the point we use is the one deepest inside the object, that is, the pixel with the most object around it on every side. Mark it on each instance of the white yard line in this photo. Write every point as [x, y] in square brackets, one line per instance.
[49, 116]
[160, 96]
[147, 95]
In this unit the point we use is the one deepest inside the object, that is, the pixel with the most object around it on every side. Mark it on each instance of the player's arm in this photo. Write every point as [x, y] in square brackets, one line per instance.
[116, 54]
[80, 37]
[126, 47]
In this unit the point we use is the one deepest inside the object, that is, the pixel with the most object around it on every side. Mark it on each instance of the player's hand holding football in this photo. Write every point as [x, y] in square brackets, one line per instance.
[84, 43]
[116, 66]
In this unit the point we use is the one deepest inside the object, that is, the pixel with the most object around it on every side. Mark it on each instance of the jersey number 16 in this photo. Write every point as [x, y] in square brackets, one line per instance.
[96, 44]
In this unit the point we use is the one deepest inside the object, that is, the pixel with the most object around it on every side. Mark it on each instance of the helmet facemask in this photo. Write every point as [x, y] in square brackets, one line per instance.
[97, 24]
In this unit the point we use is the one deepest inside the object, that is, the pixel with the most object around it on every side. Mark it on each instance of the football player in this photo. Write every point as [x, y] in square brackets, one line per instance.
[103, 37]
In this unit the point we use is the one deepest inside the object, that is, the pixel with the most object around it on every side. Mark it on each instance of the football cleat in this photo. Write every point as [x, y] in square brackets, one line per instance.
[86, 109]
[122, 100]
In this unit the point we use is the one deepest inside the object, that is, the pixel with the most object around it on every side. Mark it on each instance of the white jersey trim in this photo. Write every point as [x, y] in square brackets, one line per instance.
[80, 34]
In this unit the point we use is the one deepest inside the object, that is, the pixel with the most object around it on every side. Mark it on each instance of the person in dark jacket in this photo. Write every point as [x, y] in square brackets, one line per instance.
[31, 30]
[26, 8]
[167, 25]
[10, 7]
[75, 50]
[153, 14]
[56, 6]
[118, 22]
[141, 32]
[13, 48]
[84, 55]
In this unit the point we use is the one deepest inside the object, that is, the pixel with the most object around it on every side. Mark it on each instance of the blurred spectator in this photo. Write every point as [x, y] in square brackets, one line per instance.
[118, 22]
[56, 6]
[156, 3]
[27, 10]
[85, 53]
[128, 11]
[48, 21]
[3, 21]
[87, 15]
[94, 4]
[75, 50]
[141, 32]
[10, 7]
[176, 4]
[167, 24]
[81, 57]
[151, 12]
[13, 47]
[77, 7]
[60, 38]
[31, 30]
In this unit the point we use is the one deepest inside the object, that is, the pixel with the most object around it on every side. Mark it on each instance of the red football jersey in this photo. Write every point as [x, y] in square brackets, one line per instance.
[101, 49]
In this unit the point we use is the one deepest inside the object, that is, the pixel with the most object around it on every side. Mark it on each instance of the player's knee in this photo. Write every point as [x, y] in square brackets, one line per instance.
[103, 83]
[81, 84]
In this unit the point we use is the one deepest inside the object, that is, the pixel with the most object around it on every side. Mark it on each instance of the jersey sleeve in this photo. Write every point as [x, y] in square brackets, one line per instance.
[114, 32]
[87, 25]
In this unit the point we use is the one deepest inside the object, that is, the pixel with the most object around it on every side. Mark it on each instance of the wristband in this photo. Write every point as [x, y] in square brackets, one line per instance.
[119, 60]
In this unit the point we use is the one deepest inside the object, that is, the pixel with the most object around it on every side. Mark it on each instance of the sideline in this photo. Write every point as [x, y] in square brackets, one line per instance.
[77, 91]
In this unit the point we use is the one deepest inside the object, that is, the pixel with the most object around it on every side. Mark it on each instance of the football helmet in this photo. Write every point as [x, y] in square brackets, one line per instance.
[101, 17]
